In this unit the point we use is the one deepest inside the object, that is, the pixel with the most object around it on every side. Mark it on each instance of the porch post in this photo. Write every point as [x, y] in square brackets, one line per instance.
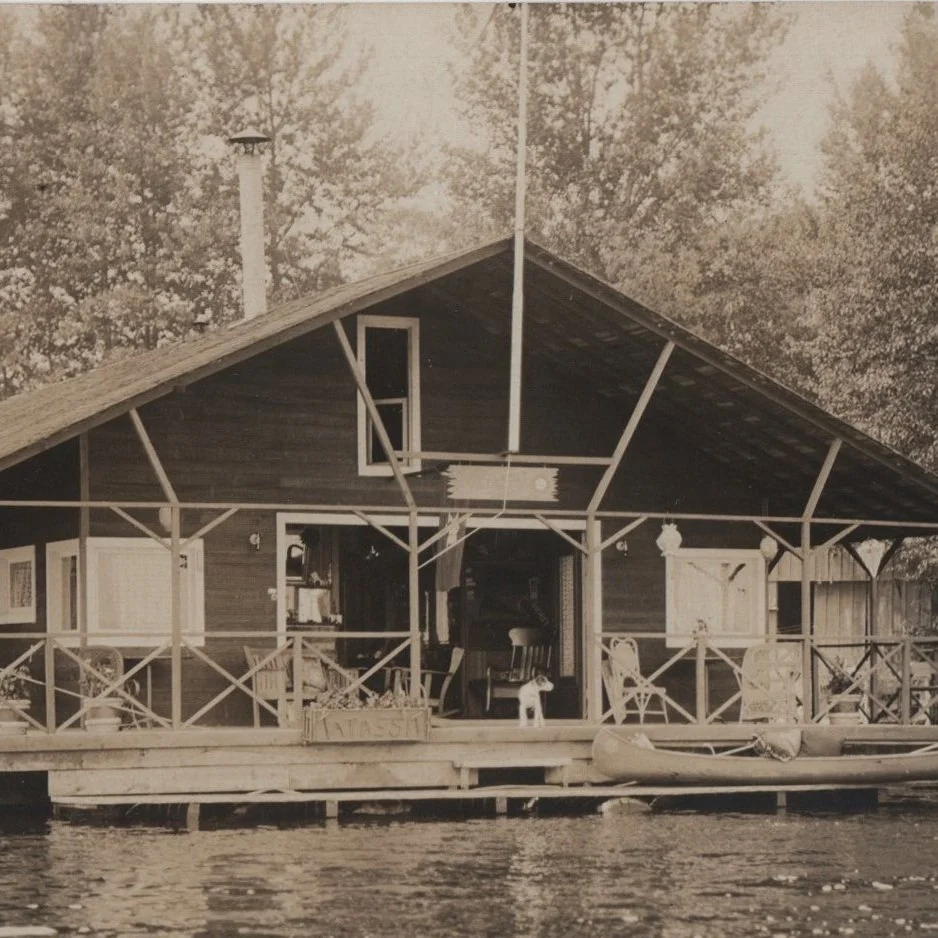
[413, 578]
[807, 680]
[84, 529]
[592, 620]
[175, 558]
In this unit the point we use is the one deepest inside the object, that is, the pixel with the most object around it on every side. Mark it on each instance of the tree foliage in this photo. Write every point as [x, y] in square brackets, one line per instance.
[119, 196]
[877, 301]
[638, 124]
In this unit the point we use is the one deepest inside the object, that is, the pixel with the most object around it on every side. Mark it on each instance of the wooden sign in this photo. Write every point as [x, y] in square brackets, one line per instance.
[502, 483]
[394, 724]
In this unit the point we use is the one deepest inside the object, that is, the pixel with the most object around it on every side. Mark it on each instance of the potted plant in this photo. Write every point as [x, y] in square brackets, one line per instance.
[843, 693]
[14, 699]
[104, 667]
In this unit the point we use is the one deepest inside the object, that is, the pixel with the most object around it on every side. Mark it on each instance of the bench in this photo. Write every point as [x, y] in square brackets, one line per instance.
[469, 768]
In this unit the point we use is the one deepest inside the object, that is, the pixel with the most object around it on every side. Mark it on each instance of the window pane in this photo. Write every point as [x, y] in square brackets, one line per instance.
[386, 362]
[392, 416]
[21, 584]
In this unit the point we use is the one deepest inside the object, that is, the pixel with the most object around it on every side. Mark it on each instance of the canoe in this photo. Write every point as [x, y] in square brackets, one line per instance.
[618, 757]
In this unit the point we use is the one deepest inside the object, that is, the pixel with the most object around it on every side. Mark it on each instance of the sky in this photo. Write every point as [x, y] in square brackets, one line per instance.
[828, 43]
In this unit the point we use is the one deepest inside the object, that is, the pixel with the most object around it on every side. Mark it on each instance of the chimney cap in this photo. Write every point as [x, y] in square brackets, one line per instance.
[249, 138]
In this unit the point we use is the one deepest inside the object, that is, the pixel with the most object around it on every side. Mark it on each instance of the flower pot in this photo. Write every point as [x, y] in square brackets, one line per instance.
[103, 717]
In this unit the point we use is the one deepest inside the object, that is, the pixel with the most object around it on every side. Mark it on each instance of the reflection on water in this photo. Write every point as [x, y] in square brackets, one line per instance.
[655, 874]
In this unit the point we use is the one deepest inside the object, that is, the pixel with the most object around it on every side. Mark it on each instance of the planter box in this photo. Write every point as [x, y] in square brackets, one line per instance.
[395, 724]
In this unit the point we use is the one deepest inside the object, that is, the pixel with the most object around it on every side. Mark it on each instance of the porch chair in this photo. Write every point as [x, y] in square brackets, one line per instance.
[530, 655]
[770, 683]
[439, 681]
[271, 680]
[628, 690]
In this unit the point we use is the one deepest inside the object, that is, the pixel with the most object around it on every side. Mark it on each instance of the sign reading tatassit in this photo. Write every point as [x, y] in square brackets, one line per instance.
[502, 483]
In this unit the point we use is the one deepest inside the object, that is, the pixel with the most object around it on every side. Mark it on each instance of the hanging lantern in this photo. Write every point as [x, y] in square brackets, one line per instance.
[166, 517]
[768, 547]
[669, 540]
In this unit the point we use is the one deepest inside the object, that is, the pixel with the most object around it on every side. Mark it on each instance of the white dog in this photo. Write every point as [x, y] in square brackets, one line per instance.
[529, 700]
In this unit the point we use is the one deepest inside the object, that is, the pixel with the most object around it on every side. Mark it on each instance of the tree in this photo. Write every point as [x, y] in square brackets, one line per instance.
[877, 349]
[101, 246]
[638, 125]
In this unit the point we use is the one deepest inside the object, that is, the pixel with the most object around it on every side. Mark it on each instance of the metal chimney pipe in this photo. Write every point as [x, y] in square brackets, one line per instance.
[250, 183]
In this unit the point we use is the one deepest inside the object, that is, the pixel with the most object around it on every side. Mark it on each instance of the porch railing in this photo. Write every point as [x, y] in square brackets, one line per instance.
[65, 685]
[699, 680]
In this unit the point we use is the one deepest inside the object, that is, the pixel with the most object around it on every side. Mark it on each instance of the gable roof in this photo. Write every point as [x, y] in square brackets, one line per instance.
[575, 324]
[38, 420]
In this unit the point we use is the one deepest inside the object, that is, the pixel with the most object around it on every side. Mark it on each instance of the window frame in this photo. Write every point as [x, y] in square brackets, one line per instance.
[193, 631]
[411, 409]
[17, 615]
[678, 635]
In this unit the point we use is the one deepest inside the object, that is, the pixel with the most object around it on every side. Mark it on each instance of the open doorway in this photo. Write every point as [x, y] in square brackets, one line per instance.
[339, 573]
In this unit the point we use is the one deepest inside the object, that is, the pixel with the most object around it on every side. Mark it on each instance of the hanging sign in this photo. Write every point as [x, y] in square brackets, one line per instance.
[502, 483]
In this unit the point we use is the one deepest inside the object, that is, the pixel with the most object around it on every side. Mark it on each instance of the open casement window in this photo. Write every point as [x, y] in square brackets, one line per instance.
[389, 355]
[723, 590]
[18, 585]
[128, 591]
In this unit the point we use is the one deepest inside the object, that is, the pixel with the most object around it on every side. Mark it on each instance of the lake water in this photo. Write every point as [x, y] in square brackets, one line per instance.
[666, 874]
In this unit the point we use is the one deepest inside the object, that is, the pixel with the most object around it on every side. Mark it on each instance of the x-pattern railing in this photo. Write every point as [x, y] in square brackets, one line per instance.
[92, 685]
[879, 672]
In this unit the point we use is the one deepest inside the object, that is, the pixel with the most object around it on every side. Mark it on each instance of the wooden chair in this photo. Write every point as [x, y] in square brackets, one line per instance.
[530, 655]
[769, 683]
[436, 684]
[629, 692]
[270, 680]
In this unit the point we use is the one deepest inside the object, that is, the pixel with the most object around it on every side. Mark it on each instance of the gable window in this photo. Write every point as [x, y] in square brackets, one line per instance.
[128, 590]
[389, 354]
[723, 590]
[18, 585]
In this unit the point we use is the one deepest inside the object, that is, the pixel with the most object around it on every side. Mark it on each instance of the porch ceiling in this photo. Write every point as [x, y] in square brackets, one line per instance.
[763, 433]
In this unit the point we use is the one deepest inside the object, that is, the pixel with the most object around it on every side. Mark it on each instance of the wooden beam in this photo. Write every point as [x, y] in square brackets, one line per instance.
[515, 459]
[593, 623]
[84, 531]
[214, 523]
[359, 376]
[558, 530]
[823, 476]
[413, 598]
[630, 428]
[807, 678]
[759, 523]
[140, 526]
[153, 457]
[622, 532]
[175, 585]
[444, 531]
[390, 535]
[839, 536]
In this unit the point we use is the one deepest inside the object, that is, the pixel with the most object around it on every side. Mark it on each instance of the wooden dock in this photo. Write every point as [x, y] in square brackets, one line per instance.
[463, 761]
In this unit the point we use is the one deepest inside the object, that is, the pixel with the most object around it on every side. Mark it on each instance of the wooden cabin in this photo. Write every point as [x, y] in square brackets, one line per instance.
[329, 484]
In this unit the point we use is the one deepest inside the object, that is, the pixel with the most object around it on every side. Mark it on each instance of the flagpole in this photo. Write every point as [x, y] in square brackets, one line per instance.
[517, 298]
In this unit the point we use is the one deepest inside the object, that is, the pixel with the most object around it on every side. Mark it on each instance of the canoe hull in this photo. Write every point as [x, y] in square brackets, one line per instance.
[623, 761]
